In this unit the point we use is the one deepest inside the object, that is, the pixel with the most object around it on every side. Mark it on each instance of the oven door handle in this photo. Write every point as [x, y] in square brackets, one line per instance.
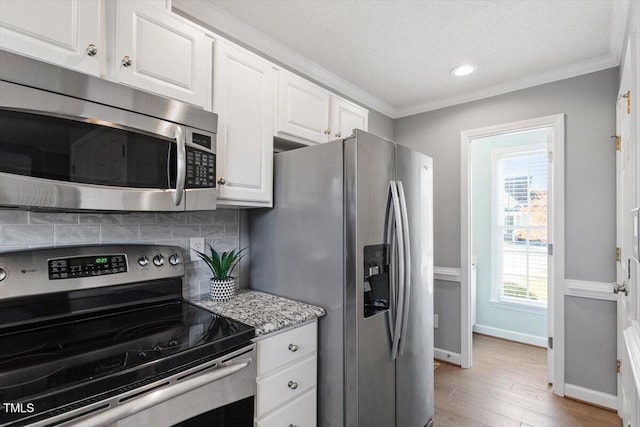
[181, 165]
[139, 404]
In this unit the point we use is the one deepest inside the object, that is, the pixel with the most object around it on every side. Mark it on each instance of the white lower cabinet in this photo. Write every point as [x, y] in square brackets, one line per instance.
[287, 378]
[299, 413]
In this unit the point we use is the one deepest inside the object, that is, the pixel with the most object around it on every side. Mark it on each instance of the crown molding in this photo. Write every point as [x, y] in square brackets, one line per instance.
[573, 70]
[230, 26]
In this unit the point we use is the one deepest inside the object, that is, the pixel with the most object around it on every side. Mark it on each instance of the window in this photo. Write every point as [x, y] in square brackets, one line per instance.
[519, 218]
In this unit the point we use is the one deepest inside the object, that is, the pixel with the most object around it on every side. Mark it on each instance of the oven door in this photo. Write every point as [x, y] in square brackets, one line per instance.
[218, 393]
[73, 154]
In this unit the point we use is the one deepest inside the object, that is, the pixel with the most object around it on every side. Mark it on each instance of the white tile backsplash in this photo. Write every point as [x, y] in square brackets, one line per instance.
[21, 229]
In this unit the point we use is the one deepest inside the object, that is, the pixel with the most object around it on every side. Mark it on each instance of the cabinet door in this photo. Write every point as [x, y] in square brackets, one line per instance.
[244, 98]
[301, 412]
[60, 32]
[303, 108]
[159, 52]
[346, 116]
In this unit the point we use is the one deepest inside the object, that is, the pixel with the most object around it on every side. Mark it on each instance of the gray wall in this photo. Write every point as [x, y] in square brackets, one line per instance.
[381, 125]
[21, 229]
[446, 297]
[589, 104]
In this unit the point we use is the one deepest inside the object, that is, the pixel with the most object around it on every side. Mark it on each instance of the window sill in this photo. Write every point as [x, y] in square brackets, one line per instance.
[540, 310]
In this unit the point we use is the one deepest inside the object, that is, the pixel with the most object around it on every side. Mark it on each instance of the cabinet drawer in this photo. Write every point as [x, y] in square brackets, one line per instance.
[285, 385]
[299, 413]
[286, 347]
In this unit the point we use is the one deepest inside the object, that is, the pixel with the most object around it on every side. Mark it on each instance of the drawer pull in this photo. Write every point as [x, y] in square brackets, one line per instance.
[293, 385]
[292, 425]
[293, 347]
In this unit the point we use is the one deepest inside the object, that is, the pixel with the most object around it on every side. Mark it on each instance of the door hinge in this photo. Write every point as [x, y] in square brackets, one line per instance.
[550, 249]
[550, 342]
[618, 142]
[550, 156]
[628, 96]
[618, 364]
[618, 254]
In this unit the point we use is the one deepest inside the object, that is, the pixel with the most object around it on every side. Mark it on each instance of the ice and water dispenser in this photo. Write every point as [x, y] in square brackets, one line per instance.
[376, 279]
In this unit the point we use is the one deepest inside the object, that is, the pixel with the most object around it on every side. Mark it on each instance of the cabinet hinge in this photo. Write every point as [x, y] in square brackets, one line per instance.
[618, 364]
[550, 342]
[618, 254]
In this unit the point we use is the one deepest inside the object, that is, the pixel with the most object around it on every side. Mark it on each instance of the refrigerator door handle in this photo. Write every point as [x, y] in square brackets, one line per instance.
[407, 266]
[399, 233]
[393, 267]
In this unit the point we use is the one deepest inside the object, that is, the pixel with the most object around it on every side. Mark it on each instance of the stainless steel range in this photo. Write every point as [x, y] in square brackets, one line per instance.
[100, 335]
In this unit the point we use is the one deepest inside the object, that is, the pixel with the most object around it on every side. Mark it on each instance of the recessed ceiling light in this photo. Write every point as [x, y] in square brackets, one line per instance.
[463, 70]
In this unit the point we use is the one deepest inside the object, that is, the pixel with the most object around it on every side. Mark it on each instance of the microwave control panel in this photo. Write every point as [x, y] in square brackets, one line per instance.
[201, 169]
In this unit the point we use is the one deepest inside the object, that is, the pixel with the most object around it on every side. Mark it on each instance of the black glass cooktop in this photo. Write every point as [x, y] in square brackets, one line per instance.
[81, 358]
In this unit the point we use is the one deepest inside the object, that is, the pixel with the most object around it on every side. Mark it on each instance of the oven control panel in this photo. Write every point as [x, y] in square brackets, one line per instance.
[86, 266]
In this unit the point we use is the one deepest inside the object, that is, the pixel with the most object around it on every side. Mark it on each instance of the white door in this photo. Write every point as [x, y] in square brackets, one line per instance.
[63, 32]
[303, 109]
[346, 116]
[244, 97]
[159, 52]
[626, 201]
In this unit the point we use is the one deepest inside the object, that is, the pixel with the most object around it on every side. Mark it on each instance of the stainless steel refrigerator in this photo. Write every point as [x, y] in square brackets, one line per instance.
[351, 230]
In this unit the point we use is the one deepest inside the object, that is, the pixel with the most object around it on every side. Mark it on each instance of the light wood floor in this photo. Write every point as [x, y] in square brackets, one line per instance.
[507, 386]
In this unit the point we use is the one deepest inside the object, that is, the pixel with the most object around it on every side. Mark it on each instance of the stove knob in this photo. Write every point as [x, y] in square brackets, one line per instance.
[158, 260]
[157, 348]
[142, 355]
[3, 274]
[143, 261]
[173, 343]
[174, 259]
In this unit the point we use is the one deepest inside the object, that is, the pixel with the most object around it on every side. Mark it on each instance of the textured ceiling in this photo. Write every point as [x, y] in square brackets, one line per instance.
[401, 52]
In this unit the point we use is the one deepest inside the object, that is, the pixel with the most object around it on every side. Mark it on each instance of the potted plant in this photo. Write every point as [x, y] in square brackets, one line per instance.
[222, 285]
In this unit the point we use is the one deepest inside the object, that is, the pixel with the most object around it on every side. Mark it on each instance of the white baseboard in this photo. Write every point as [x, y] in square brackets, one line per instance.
[587, 395]
[447, 356]
[511, 335]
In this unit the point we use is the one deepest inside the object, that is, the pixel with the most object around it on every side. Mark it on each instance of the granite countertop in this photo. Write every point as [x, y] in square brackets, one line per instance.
[265, 312]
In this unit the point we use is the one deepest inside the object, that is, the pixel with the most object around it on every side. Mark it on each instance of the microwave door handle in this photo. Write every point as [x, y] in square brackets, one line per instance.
[181, 165]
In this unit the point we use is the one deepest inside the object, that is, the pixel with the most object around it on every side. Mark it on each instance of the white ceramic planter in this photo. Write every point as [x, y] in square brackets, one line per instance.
[222, 290]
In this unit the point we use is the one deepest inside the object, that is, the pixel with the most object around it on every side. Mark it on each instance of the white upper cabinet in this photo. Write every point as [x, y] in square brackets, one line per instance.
[159, 52]
[63, 32]
[303, 108]
[244, 98]
[347, 116]
[310, 114]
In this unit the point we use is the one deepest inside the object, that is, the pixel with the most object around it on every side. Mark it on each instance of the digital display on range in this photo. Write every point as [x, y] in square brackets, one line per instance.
[202, 140]
[86, 266]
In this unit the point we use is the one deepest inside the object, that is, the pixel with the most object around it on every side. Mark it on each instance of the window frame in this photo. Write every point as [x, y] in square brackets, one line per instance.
[497, 298]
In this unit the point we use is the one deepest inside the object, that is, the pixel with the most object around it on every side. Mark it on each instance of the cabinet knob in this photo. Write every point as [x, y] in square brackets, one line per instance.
[221, 181]
[292, 425]
[293, 347]
[293, 385]
[92, 50]
[327, 131]
[127, 61]
[339, 134]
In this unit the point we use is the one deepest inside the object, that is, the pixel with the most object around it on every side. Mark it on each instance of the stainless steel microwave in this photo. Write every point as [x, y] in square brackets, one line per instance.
[69, 141]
